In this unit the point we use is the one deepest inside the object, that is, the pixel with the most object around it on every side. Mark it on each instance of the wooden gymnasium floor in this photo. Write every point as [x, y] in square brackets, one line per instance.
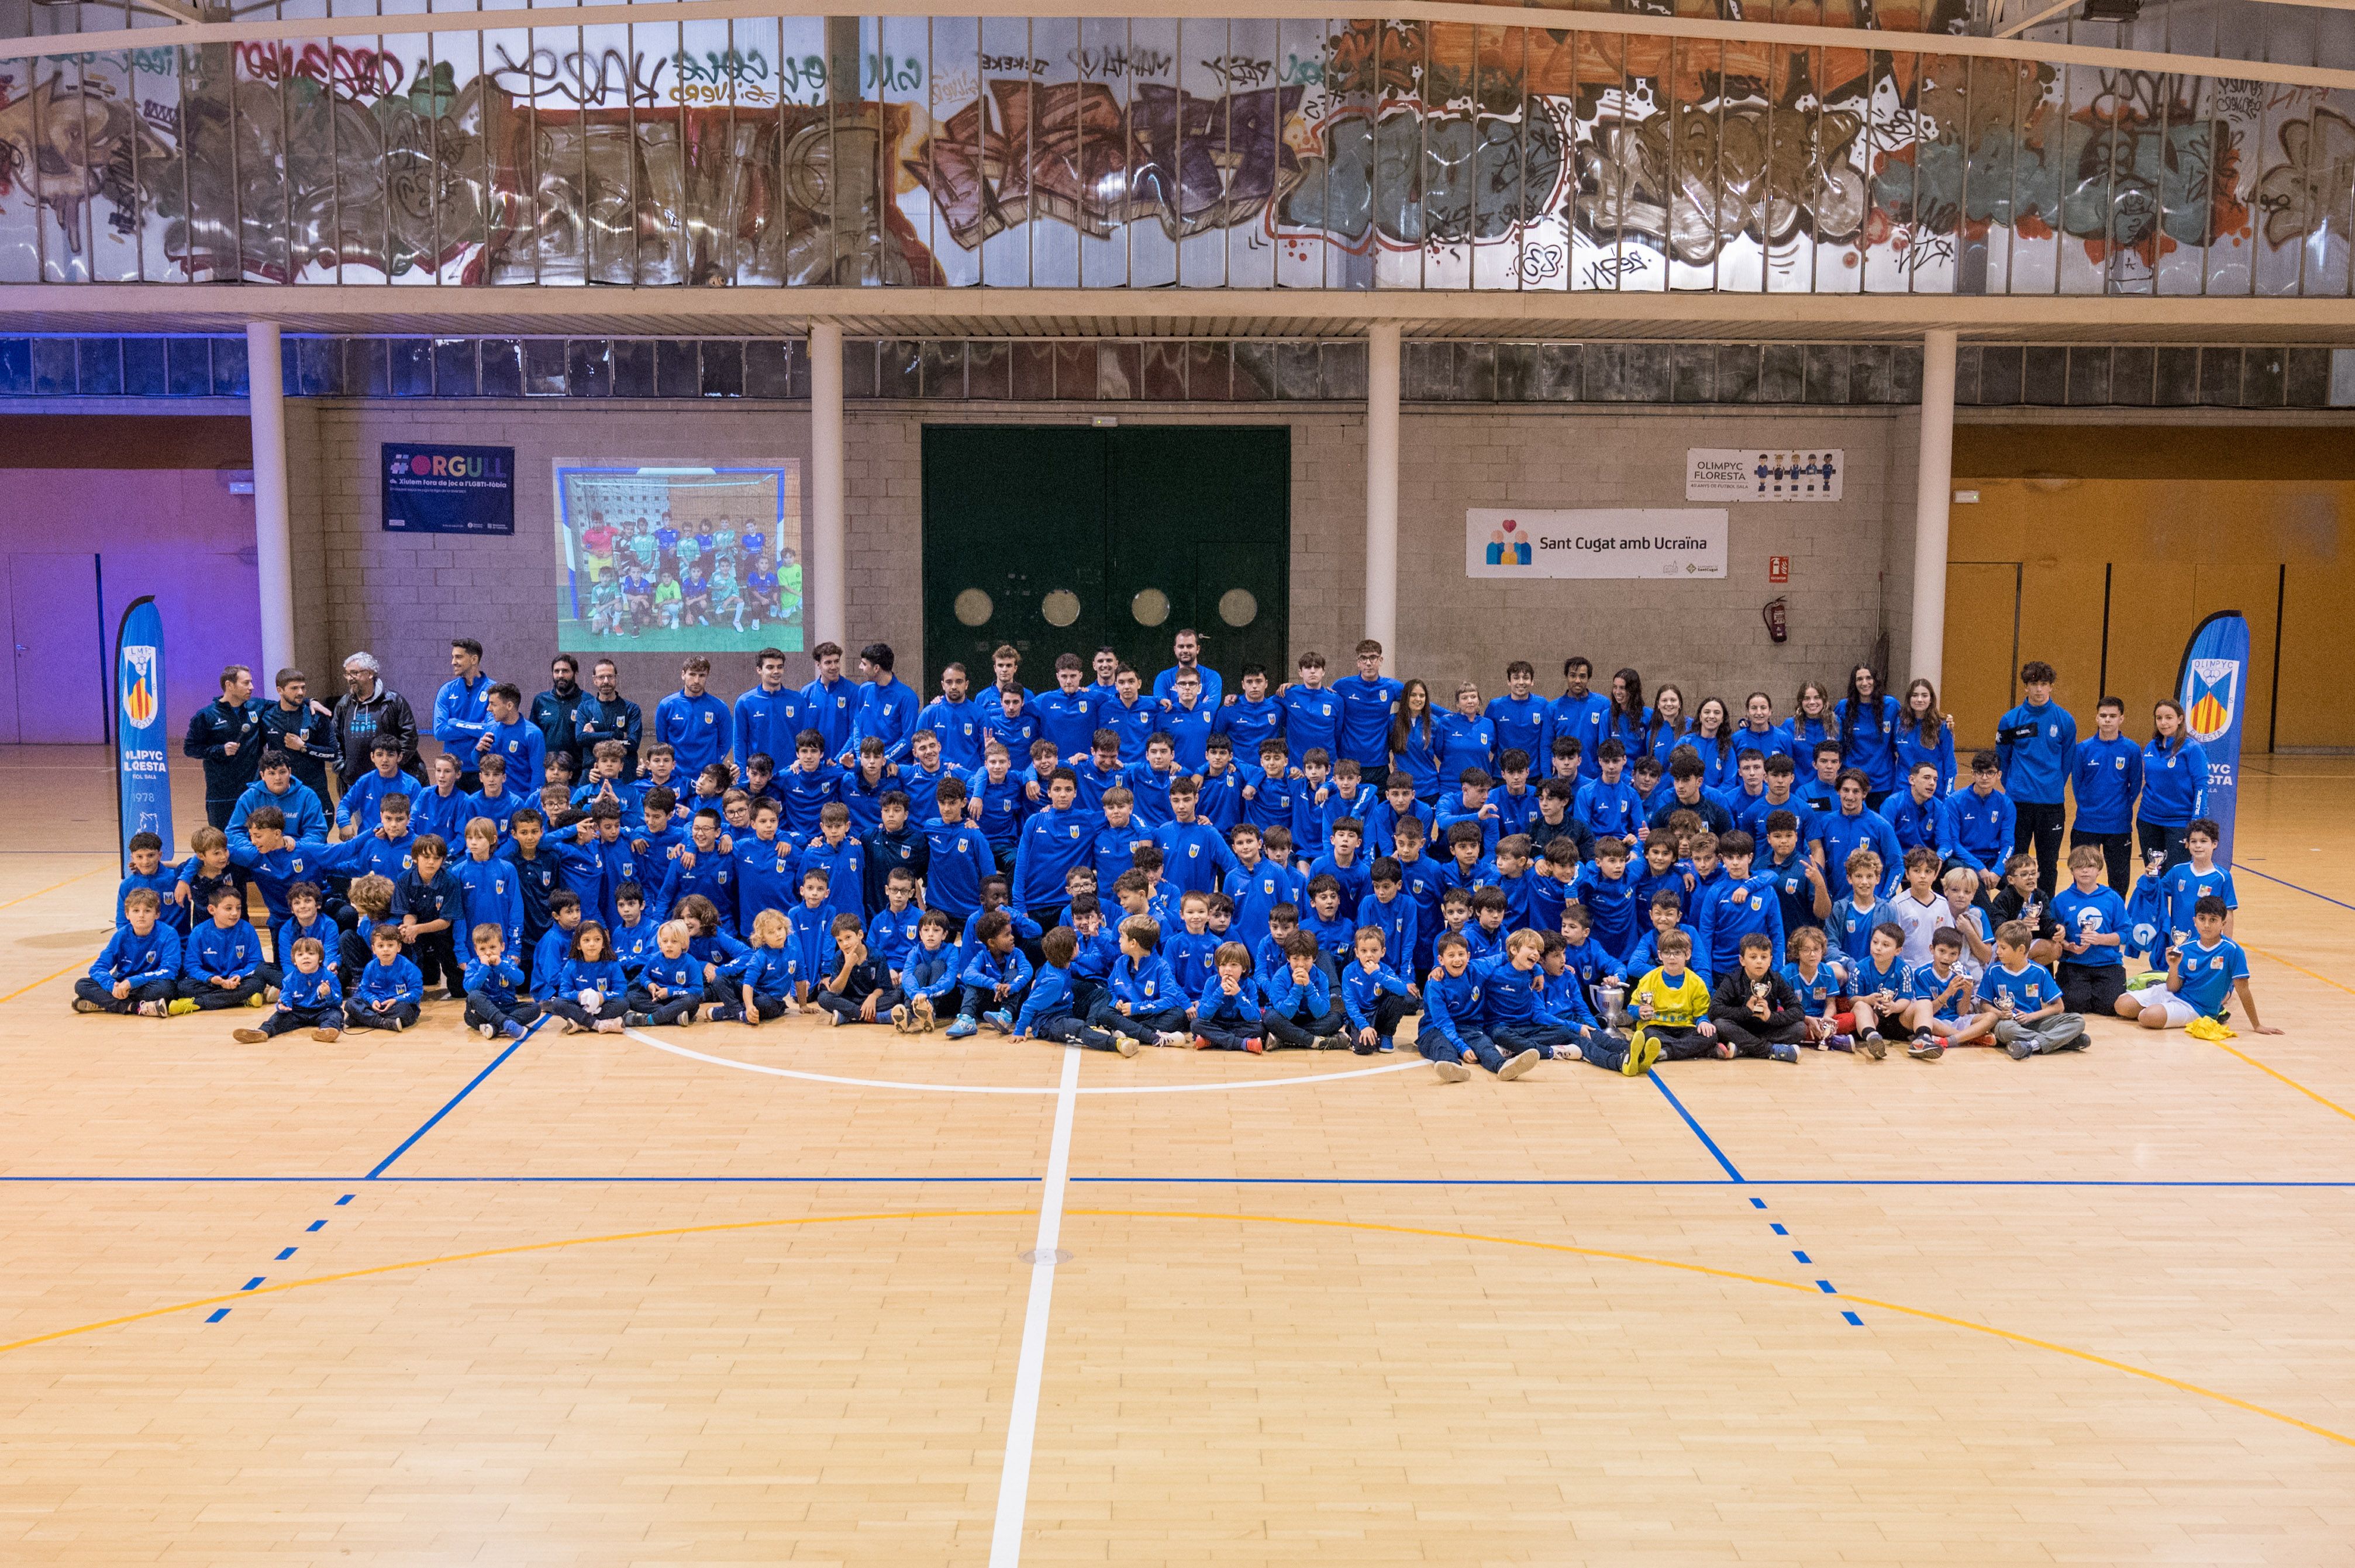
[738, 1298]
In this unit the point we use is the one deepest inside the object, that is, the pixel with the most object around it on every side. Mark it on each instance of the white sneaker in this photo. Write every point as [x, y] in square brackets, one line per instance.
[1518, 1065]
[1127, 1047]
[1170, 1037]
[486, 1032]
[1450, 1072]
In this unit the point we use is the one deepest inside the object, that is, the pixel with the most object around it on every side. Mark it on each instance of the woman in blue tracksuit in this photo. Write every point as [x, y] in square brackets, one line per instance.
[1415, 741]
[1867, 721]
[2174, 784]
[1926, 735]
[1809, 726]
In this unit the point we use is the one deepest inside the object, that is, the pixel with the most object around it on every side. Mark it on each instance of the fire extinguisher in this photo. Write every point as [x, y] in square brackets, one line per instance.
[1772, 613]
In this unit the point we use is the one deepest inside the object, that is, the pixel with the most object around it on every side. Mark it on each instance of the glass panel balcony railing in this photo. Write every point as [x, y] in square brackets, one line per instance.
[1150, 153]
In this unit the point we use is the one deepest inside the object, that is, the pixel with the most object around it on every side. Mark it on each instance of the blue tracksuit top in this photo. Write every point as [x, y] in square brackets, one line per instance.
[769, 723]
[1981, 825]
[212, 953]
[1919, 823]
[2174, 783]
[1148, 987]
[985, 971]
[1287, 996]
[1052, 842]
[959, 858]
[930, 971]
[700, 730]
[770, 972]
[2107, 778]
[1868, 739]
[305, 818]
[398, 981]
[604, 976]
[317, 991]
[887, 714]
[1395, 920]
[960, 728]
[2036, 747]
[1452, 1004]
[1843, 835]
[1362, 989]
[1049, 997]
[1237, 1012]
[141, 960]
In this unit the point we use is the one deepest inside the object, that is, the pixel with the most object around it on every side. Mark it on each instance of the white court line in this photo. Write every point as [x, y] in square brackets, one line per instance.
[694, 1055]
[1022, 1422]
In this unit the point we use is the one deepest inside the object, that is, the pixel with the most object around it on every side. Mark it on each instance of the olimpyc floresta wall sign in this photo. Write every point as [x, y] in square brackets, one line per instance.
[1135, 153]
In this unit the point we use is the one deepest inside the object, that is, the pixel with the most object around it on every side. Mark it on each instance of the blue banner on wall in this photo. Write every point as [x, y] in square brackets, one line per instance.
[448, 490]
[2213, 689]
[142, 747]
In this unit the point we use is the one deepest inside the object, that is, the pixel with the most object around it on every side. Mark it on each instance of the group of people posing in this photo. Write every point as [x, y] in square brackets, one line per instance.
[1120, 863]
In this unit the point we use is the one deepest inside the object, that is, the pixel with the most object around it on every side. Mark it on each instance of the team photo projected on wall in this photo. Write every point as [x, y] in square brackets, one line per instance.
[664, 557]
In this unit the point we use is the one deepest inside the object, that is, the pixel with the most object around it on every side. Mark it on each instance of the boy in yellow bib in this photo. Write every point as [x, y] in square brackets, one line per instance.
[1671, 1006]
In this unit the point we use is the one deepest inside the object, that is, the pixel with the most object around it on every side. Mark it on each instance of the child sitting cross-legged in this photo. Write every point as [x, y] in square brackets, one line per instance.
[140, 965]
[387, 989]
[589, 990]
[1051, 1011]
[309, 996]
[495, 1004]
[1226, 1016]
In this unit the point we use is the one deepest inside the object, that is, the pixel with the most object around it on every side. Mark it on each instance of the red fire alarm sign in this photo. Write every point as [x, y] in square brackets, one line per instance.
[1778, 568]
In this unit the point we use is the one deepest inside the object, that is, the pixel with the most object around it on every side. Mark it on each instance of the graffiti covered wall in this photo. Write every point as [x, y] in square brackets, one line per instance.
[1070, 152]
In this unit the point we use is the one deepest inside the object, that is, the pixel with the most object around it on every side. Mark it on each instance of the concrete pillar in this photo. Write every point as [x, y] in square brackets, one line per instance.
[1934, 493]
[1382, 488]
[272, 542]
[826, 613]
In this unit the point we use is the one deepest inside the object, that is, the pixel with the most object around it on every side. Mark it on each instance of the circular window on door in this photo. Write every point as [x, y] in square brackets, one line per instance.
[1238, 608]
[1060, 608]
[973, 608]
[1151, 608]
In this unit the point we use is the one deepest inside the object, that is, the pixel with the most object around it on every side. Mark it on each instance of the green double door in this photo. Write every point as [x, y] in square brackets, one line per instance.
[1059, 538]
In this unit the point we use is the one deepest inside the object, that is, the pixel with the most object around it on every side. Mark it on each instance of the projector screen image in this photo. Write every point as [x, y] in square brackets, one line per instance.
[662, 558]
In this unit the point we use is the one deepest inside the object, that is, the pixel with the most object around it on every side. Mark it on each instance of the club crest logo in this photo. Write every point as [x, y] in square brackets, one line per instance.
[139, 695]
[2210, 690]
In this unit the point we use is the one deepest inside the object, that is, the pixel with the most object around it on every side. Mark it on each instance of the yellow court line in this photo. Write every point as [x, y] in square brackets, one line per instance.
[2088, 1356]
[417, 1263]
[499, 1252]
[52, 887]
[2285, 1078]
[42, 981]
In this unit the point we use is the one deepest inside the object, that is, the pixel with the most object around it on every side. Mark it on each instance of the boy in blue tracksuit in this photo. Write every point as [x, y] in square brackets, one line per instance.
[301, 814]
[994, 975]
[537, 874]
[274, 862]
[931, 979]
[1194, 853]
[1608, 894]
[555, 944]
[2105, 775]
[429, 900]
[220, 963]
[1452, 999]
[1227, 1012]
[1389, 910]
[138, 969]
[957, 858]
[1734, 907]
[1375, 998]
[1297, 1008]
[1269, 789]
[1142, 999]
[309, 999]
[149, 871]
[2036, 745]
[388, 990]
[836, 853]
[360, 803]
[1051, 1008]
[497, 1001]
[1984, 822]
[1252, 718]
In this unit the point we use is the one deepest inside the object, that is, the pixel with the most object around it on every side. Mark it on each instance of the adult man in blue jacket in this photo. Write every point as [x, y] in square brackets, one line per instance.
[462, 712]
[227, 736]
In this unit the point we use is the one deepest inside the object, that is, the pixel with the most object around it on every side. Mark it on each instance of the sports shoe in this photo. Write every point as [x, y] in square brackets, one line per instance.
[1841, 1043]
[84, 1004]
[637, 1021]
[926, 1020]
[1873, 1046]
[1388, 1043]
[1723, 1051]
[1641, 1055]
[1169, 1037]
[832, 1018]
[1449, 1072]
[513, 1030]
[964, 1027]
[2020, 1048]
[152, 1008]
[1320, 1042]
[1524, 1061]
[1202, 1044]
[609, 1026]
[903, 1020]
[1002, 1021]
[1783, 1052]
[1925, 1047]
[1256, 1045]
[259, 1000]
[566, 1025]
[180, 1007]
[248, 1036]
[1124, 1044]
[487, 1031]
[326, 1036]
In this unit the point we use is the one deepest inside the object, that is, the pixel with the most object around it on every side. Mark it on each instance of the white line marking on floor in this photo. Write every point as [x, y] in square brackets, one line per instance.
[1022, 1425]
[693, 1055]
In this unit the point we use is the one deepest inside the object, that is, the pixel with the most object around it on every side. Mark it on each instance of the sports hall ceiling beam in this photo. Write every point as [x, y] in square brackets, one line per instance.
[1500, 17]
[378, 309]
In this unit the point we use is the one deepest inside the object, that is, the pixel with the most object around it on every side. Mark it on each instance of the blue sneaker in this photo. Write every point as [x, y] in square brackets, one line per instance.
[513, 1030]
[1387, 1044]
[1785, 1053]
[1001, 1021]
[963, 1027]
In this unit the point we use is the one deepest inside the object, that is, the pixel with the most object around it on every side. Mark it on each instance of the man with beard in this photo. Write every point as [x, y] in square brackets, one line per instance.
[554, 713]
[369, 708]
[225, 734]
[303, 730]
[605, 715]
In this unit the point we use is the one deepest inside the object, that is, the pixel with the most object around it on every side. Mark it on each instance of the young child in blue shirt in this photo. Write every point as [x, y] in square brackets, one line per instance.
[1050, 1009]
[995, 977]
[1608, 892]
[309, 999]
[220, 963]
[590, 990]
[2036, 743]
[2093, 921]
[149, 871]
[2197, 878]
[1268, 791]
[1334, 933]
[388, 991]
[2201, 976]
[1375, 998]
[139, 968]
[1882, 990]
[1818, 986]
[1227, 1014]
[930, 979]
[497, 1001]
[670, 986]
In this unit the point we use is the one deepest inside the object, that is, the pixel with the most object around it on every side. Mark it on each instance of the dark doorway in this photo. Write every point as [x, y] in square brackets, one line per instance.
[1056, 538]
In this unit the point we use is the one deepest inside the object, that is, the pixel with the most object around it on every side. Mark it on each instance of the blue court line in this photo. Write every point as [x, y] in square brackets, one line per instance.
[285, 1255]
[1854, 1322]
[255, 1283]
[1707, 1142]
[217, 1316]
[472, 1084]
[2293, 886]
[1825, 1286]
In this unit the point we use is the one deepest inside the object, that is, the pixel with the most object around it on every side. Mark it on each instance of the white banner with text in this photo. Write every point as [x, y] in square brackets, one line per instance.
[1732, 474]
[1660, 542]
